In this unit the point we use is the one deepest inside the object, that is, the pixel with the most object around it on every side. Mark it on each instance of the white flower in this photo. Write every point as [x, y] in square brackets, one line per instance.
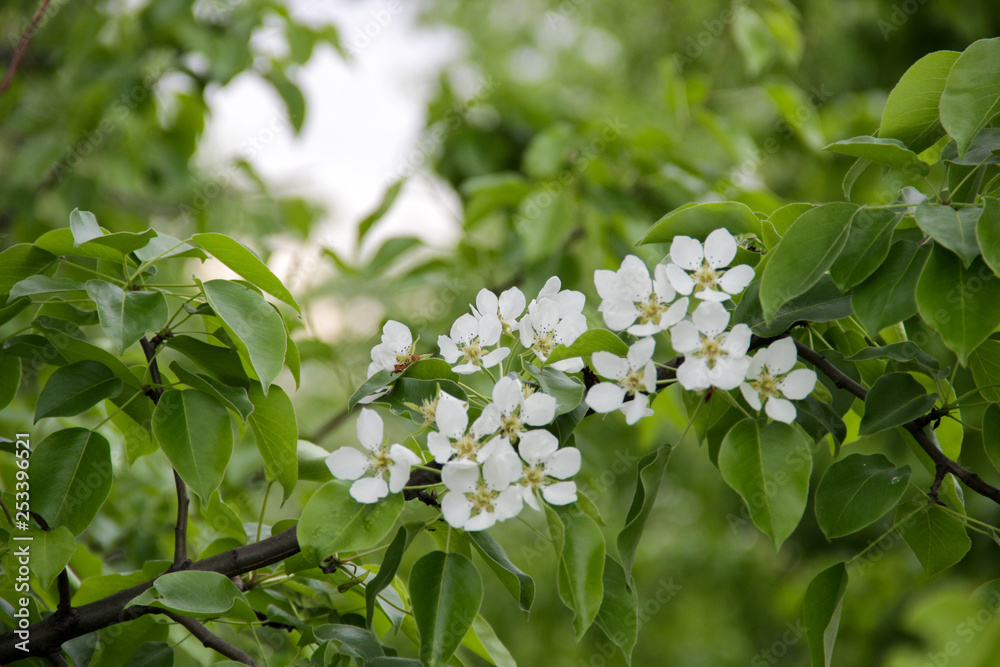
[395, 352]
[479, 497]
[629, 295]
[452, 441]
[704, 264]
[391, 463]
[765, 384]
[469, 338]
[507, 308]
[543, 461]
[632, 376]
[570, 301]
[712, 356]
[548, 324]
[513, 411]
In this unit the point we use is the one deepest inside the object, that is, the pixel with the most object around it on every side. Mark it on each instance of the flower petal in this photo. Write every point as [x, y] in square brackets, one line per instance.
[686, 253]
[440, 447]
[347, 463]
[465, 369]
[509, 503]
[487, 302]
[693, 374]
[370, 429]
[665, 292]
[729, 372]
[573, 365]
[456, 509]
[563, 463]
[720, 248]
[679, 279]
[780, 410]
[619, 314]
[560, 493]
[451, 416]
[711, 318]
[636, 409]
[737, 341]
[461, 476]
[511, 304]
[487, 422]
[604, 281]
[684, 337]
[495, 357]
[537, 446]
[490, 329]
[605, 397]
[749, 394]
[369, 490]
[736, 279]
[507, 394]
[781, 356]
[465, 329]
[633, 282]
[609, 366]
[550, 288]
[397, 335]
[501, 470]
[449, 350]
[640, 352]
[757, 364]
[674, 314]
[482, 521]
[798, 384]
[538, 409]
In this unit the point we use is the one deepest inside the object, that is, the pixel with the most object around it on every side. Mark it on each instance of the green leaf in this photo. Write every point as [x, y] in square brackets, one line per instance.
[936, 536]
[194, 431]
[383, 207]
[84, 226]
[590, 341]
[487, 645]
[618, 616]
[13, 307]
[971, 97]
[50, 552]
[20, 261]
[127, 316]
[446, 591]
[893, 400]
[223, 362]
[856, 491]
[580, 546]
[253, 325]
[76, 388]
[769, 467]
[566, 389]
[312, 462]
[866, 248]
[192, 593]
[415, 392]
[821, 612]
[387, 570]
[649, 474]
[518, 584]
[808, 249]
[233, 397]
[245, 263]
[371, 385]
[904, 352]
[889, 295]
[60, 242]
[277, 434]
[354, 641]
[290, 93]
[40, 284]
[890, 152]
[953, 228]
[823, 302]
[911, 110]
[958, 302]
[71, 477]
[164, 246]
[334, 522]
[10, 378]
[988, 233]
[700, 220]
[991, 422]
[985, 365]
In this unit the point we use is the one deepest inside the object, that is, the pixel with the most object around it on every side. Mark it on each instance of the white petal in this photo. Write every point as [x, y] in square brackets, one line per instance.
[465, 329]
[780, 410]
[573, 365]
[544, 315]
[684, 337]
[649, 377]
[501, 469]
[619, 314]
[636, 409]
[369, 490]
[604, 281]
[757, 364]
[507, 394]
[487, 302]
[609, 366]
[376, 366]
[693, 374]
[737, 341]
[605, 397]
[564, 463]
[456, 509]
[536, 446]
[449, 350]
[461, 476]
[538, 409]
[347, 463]
[482, 521]
[661, 284]
[711, 318]
[679, 279]
[509, 503]
[736, 279]
[452, 418]
[465, 369]
[490, 329]
[798, 384]
[781, 356]
[686, 253]
[487, 422]
[570, 302]
[495, 357]
[529, 498]
[399, 471]
[711, 295]
[570, 328]
[370, 429]
[526, 331]
[440, 447]
[640, 352]
[720, 248]
[560, 493]
[729, 372]
[751, 395]
[511, 304]
[675, 313]
[401, 454]
[645, 330]
[633, 283]
[397, 335]
[550, 288]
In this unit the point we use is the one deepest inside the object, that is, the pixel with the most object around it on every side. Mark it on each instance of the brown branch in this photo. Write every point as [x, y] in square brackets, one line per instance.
[59, 627]
[916, 427]
[22, 46]
[210, 640]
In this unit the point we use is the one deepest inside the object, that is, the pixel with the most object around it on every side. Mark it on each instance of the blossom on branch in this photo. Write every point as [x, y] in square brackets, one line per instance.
[698, 268]
[634, 376]
[713, 357]
[452, 440]
[769, 383]
[468, 341]
[515, 407]
[544, 464]
[629, 295]
[390, 463]
[480, 496]
[507, 308]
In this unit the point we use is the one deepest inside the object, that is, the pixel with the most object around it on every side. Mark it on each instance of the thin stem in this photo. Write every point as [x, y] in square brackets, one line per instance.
[736, 404]
[120, 408]
[22, 46]
[209, 640]
[874, 542]
[263, 506]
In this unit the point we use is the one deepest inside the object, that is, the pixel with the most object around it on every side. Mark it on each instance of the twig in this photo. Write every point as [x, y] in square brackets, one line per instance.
[22, 46]
[329, 426]
[939, 473]
[57, 659]
[212, 641]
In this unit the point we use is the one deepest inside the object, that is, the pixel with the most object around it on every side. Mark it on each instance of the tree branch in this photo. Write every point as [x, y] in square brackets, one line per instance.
[212, 641]
[22, 46]
[52, 631]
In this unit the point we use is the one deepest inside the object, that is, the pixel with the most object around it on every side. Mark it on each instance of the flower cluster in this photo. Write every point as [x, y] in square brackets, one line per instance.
[496, 448]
